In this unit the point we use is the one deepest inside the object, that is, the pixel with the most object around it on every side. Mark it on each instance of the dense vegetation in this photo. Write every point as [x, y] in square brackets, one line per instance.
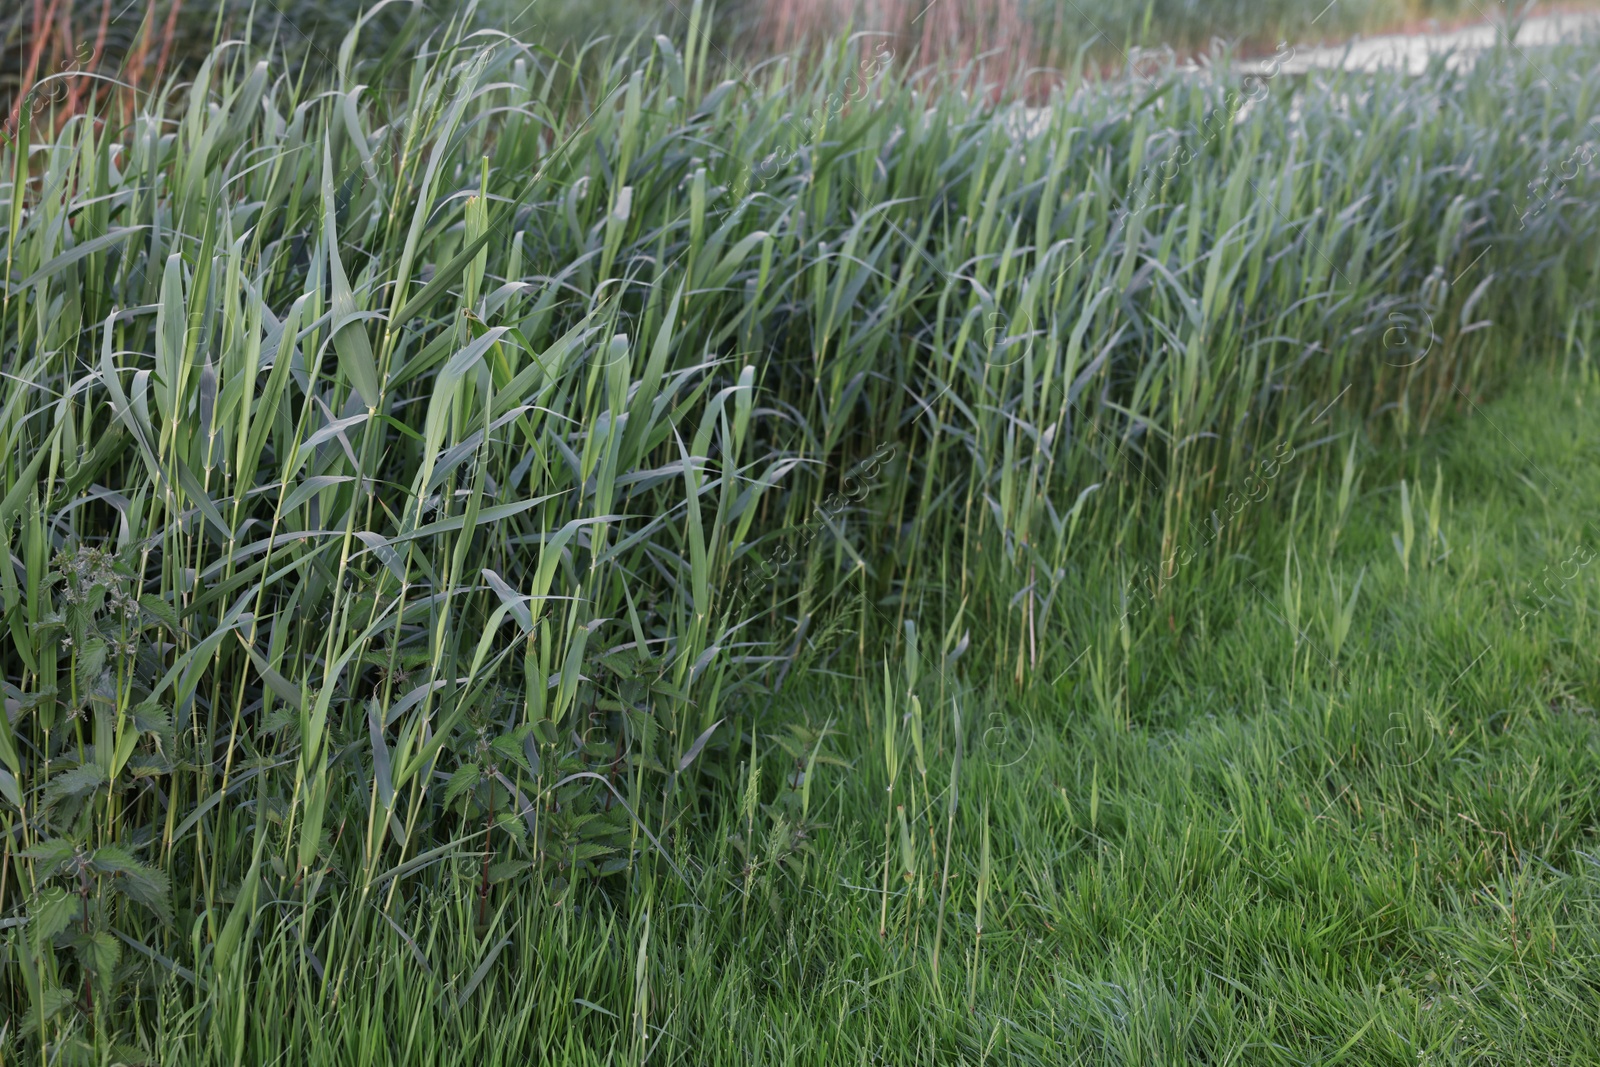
[478, 523]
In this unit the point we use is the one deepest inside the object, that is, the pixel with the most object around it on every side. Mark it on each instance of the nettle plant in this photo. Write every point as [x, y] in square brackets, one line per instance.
[529, 790]
[102, 736]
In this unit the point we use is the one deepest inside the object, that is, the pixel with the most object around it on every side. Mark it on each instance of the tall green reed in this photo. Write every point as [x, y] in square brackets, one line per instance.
[382, 469]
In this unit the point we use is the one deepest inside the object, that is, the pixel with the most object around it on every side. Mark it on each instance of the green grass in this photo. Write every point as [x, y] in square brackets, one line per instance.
[1388, 861]
[1279, 862]
[427, 504]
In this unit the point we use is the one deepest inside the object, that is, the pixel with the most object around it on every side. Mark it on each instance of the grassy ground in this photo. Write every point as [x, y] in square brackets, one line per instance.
[1291, 850]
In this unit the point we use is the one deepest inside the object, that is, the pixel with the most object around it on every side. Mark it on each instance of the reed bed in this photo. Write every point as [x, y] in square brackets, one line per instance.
[423, 486]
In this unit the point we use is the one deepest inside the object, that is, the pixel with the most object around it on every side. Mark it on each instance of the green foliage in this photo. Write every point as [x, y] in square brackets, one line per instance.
[384, 471]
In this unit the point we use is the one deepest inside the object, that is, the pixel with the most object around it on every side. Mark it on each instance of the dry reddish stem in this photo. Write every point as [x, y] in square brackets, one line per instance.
[135, 64]
[79, 84]
[41, 18]
[168, 32]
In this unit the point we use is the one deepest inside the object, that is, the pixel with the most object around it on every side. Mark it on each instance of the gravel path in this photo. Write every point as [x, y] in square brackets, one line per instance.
[1412, 51]
[1408, 51]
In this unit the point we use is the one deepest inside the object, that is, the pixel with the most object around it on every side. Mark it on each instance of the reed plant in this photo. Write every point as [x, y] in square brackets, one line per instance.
[386, 455]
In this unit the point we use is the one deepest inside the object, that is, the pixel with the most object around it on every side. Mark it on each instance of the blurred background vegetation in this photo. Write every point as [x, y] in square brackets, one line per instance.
[145, 39]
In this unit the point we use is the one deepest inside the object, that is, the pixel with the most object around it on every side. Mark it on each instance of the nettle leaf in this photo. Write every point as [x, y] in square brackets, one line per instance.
[50, 1004]
[91, 661]
[510, 823]
[147, 765]
[276, 719]
[151, 718]
[509, 748]
[52, 856]
[52, 913]
[464, 779]
[162, 612]
[505, 870]
[78, 782]
[18, 702]
[415, 658]
[134, 880]
[99, 951]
